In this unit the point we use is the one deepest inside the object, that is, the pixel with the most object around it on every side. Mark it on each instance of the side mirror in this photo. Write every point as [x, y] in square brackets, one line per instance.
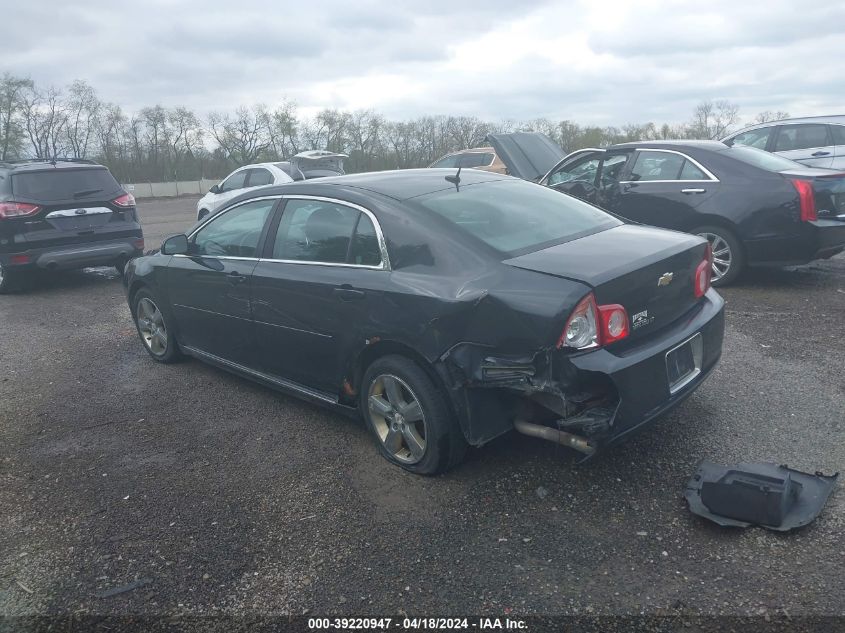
[214, 189]
[175, 245]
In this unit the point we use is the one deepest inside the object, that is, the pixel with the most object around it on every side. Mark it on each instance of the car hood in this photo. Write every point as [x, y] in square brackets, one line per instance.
[527, 155]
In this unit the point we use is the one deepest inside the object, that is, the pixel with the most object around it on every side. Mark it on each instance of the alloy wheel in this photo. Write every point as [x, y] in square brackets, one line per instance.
[151, 326]
[398, 418]
[722, 256]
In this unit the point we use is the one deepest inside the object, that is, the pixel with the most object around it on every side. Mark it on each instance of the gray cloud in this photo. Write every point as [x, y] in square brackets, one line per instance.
[608, 64]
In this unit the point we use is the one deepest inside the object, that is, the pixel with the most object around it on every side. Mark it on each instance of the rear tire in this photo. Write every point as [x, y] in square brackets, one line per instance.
[408, 415]
[154, 328]
[728, 256]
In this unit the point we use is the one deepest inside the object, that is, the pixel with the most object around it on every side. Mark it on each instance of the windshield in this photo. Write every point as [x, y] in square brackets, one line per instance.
[515, 216]
[760, 158]
[64, 184]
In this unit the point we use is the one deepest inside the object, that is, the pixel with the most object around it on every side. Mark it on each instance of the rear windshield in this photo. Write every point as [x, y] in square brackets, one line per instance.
[760, 158]
[64, 184]
[515, 216]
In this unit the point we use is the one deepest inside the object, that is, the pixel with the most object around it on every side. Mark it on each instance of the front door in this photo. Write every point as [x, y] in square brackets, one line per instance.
[210, 287]
[316, 290]
[577, 176]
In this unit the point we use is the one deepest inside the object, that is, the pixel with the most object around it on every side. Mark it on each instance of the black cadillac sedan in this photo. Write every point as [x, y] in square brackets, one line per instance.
[755, 208]
[447, 309]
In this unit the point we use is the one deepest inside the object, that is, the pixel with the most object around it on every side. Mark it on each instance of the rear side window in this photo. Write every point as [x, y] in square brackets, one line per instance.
[656, 166]
[516, 217]
[753, 138]
[328, 233]
[259, 177]
[64, 184]
[447, 161]
[792, 137]
[691, 172]
[838, 132]
[4, 183]
[475, 159]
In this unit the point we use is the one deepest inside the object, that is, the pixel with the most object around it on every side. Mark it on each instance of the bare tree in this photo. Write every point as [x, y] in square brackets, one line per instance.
[12, 91]
[45, 121]
[767, 115]
[283, 130]
[713, 119]
[242, 137]
[81, 108]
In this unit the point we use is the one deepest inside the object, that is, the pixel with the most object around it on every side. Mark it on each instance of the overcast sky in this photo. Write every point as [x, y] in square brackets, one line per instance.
[604, 62]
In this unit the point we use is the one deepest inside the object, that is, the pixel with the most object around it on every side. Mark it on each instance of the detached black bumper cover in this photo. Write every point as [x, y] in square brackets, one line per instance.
[771, 496]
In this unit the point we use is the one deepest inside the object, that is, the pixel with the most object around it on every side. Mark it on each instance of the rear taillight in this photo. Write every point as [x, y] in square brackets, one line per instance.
[126, 200]
[138, 243]
[806, 200]
[592, 325]
[17, 209]
[704, 272]
[20, 259]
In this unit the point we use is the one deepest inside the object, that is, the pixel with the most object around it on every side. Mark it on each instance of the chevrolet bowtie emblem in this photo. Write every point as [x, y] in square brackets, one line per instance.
[665, 279]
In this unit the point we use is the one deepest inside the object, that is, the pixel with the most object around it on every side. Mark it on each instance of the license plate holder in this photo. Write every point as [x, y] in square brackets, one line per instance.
[683, 362]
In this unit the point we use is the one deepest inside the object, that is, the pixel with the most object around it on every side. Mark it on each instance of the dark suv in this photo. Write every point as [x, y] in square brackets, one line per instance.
[63, 213]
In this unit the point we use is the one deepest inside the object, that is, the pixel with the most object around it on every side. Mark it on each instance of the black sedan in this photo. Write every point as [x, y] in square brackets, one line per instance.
[447, 309]
[755, 208]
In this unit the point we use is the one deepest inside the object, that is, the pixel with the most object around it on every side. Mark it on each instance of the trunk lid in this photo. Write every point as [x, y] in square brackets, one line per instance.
[650, 272]
[527, 155]
[317, 160]
[76, 206]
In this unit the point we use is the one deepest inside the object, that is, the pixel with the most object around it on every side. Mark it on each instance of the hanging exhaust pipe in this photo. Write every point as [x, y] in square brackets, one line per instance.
[580, 444]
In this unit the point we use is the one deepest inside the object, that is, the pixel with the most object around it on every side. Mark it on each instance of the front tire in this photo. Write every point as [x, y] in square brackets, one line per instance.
[728, 256]
[409, 417]
[154, 328]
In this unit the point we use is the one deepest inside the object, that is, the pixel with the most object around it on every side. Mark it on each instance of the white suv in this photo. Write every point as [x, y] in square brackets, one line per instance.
[239, 180]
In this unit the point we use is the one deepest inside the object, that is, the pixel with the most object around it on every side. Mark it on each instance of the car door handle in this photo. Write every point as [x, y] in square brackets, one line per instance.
[236, 278]
[348, 293]
[820, 154]
[689, 191]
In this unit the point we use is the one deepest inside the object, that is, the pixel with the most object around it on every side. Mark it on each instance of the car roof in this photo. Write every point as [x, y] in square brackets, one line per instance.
[716, 146]
[44, 165]
[399, 184]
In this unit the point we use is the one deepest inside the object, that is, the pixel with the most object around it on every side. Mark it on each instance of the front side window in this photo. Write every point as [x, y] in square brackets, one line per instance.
[758, 138]
[515, 216]
[235, 233]
[259, 177]
[611, 170]
[326, 232]
[582, 170]
[235, 181]
[792, 137]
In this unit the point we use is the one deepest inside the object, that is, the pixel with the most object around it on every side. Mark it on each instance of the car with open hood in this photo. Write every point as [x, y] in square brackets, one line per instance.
[444, 309]
[755, 208]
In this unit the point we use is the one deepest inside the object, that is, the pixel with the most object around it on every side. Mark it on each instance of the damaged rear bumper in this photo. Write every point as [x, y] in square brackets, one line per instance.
[601, 396]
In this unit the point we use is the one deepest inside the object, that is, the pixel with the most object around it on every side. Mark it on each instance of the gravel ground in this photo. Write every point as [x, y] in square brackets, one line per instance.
[219, 496]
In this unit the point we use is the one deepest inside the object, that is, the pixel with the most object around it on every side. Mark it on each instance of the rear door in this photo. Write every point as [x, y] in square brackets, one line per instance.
[210, 287]
[321, 282]
[663, 188]
[838, 133]
[258, 177]
[807, 143]
[77, 205]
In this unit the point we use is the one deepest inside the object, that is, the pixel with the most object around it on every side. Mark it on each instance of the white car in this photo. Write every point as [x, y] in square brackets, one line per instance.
[247, 177]
[305, 165]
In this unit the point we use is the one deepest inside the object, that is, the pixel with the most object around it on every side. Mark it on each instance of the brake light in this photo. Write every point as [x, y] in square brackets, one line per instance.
[20, 259]
[126, 200]
[17, 209]
[138, 243]
[806, 200]
[704, 273]
[592, 325]
[614, 323]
